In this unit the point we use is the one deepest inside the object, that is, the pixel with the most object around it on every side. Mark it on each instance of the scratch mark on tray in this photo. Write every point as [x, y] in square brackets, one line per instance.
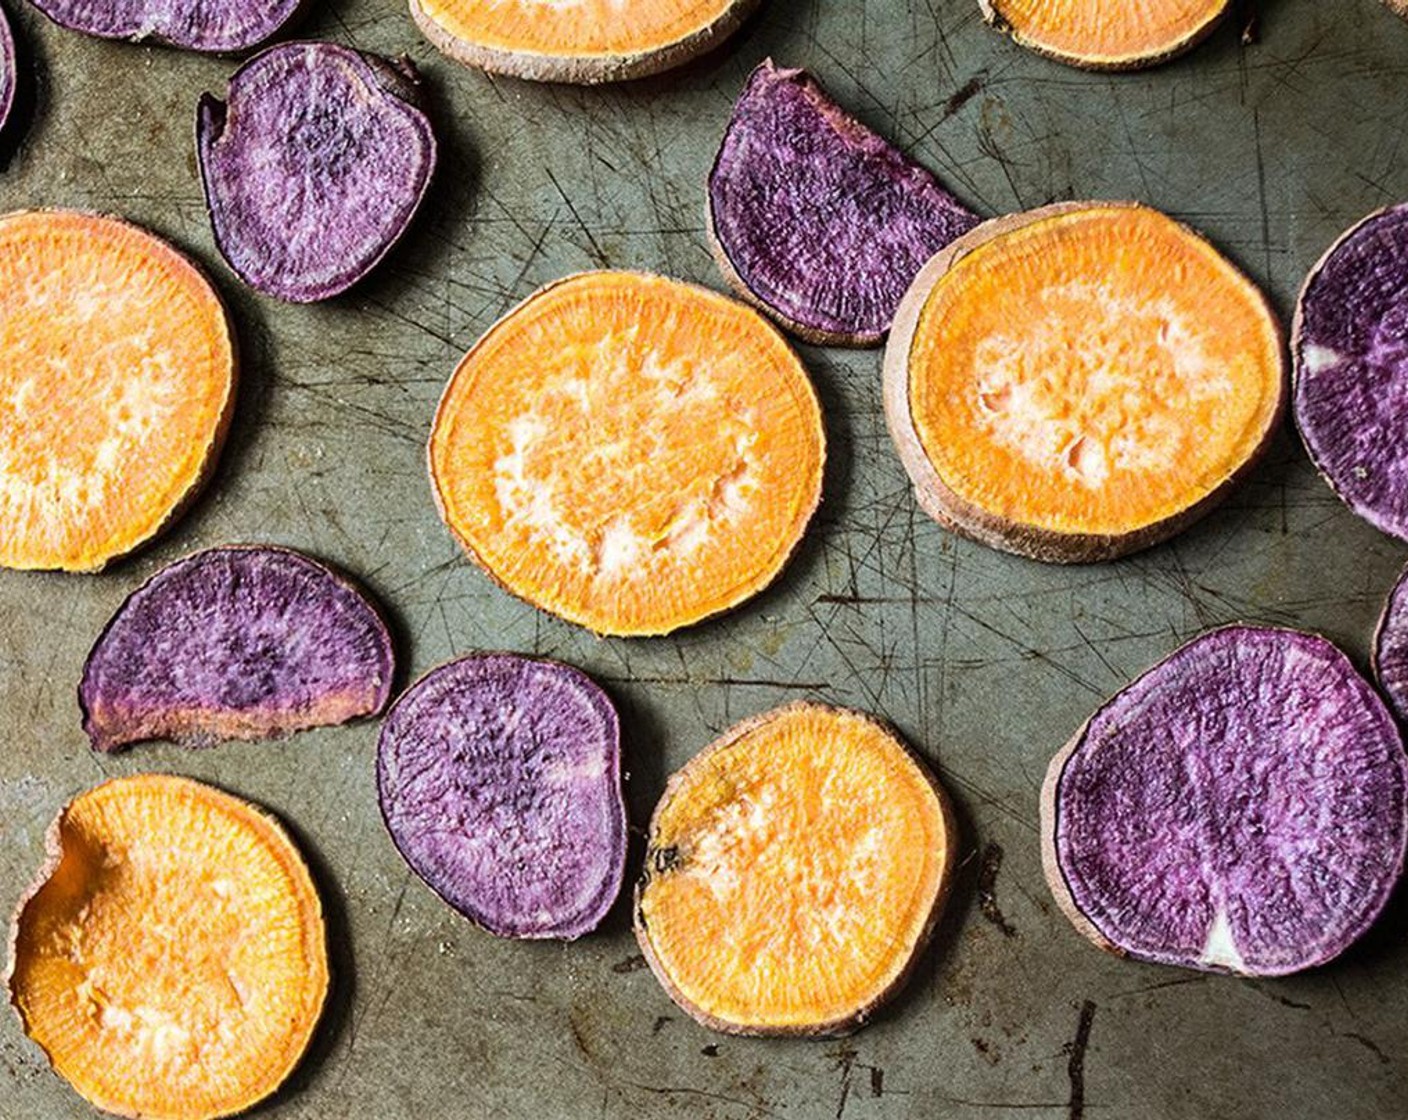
[1075, 1067]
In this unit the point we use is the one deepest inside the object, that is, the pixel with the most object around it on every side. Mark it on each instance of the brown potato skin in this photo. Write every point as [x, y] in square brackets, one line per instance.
[588, 70]
[992, 14]
[960, 516]
[834, 1028]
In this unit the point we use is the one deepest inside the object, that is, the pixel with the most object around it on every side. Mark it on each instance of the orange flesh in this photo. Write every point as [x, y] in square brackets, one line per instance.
[808, 857]
[1095, 372]
[629, 452]
[116, 376]
[1090, 31]
[575, 28]
[174, 963]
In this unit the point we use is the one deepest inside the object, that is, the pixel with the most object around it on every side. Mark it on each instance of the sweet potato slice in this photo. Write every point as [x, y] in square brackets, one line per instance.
[1241, 807]
[1097, 35]
[1080, 381]
[314, 167]
[235, 643]
[1390, 649]
[117, 374]
[629, 452]
[500, 782]
[211, 26]
[582, 41]
[817, 220]
[171, 959]
[9, 69]
[795, 870]
[1349, 344]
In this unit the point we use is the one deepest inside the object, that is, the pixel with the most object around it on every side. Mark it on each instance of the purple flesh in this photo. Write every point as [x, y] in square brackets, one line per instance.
[1391, 648]
[1351, 369]
[214, 26]
[500, 783]
[314, 167]
[235, 643]
[825, 223]
[9, 69]
[1240, 807]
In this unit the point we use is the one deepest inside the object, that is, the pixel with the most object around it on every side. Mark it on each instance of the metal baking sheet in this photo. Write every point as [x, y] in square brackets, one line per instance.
[987, 663]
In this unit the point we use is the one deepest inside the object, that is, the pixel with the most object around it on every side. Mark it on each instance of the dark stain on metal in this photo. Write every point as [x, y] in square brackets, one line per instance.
[660, 1021]
[986, 1049]
[1075, 1067]
[845, 1056]
[710, 1051]
[964, 94]
[1369, 1044]
[877, 1081]
[987, 890]
[579, 1037]
[630, 964]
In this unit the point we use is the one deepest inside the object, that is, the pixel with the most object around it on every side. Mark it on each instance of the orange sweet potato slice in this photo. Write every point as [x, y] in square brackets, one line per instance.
[171, 959]
[1081, 381]
[583, 41]
[1097, 35]
[117, 377]
[629, 452]
[794, 873]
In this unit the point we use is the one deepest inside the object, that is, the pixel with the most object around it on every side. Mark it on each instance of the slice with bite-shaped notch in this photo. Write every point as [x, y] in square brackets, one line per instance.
[794, 873]
[117, 377]
[582, 41]
[1241, 807]
[629, 452]
[499, 778]
[1097, 35]
[171, 959]
[1080, 381]
[816, 219]
[247, 642]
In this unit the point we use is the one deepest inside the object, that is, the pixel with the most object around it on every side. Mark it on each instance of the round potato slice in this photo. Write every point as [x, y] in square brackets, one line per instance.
[117, 378]
[1096, 35]
[1081, 381]
[582, 41]
[171, 959]
[794, 873]
[629, 452]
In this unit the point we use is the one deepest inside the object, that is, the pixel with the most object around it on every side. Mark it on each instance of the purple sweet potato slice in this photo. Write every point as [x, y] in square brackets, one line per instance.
[1349, 346]
[1242, 807]
[235, 643]
[1390, 651]
[815, 219]
[209, 26]
[500, 783]
[314, 167]
[9, 69]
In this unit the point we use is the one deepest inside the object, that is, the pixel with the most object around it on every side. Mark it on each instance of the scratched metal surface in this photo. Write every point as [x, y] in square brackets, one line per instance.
[986, 662]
